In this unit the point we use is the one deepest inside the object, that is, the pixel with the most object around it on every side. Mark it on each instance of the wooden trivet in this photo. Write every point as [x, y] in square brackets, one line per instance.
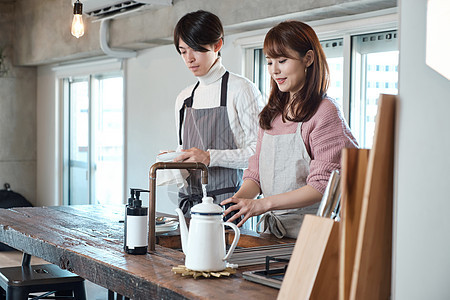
[181, 269]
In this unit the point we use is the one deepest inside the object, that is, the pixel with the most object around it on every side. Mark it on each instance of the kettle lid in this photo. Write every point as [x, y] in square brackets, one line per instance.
[207, 207]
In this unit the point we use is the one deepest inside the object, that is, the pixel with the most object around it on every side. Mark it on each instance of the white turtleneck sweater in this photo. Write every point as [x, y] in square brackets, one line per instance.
[244, 102]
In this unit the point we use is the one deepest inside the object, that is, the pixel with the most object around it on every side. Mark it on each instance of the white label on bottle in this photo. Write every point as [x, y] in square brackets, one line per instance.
[137, 232]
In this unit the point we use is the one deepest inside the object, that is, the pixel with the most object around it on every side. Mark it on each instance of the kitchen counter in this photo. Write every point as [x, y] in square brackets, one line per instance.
[88, 240]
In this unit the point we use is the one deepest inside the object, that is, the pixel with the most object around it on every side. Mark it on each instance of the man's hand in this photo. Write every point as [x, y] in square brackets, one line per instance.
[194, 155]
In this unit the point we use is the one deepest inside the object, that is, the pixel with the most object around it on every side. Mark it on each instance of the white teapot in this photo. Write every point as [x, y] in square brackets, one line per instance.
[204, 243]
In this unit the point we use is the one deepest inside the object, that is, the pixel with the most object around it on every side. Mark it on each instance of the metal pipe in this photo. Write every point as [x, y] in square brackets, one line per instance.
[26, 260]
[119, 53]
[152, 189]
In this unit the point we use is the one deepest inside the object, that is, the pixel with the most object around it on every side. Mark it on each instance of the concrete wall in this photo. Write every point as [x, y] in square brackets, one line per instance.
[421, 236]
[49, 171]
[43, 26]
[17, 114]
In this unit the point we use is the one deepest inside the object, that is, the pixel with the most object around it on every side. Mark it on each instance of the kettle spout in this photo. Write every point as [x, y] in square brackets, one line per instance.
[183, 230]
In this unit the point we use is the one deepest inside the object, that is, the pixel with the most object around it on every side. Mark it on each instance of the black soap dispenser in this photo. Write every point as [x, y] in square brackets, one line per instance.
[136, 222]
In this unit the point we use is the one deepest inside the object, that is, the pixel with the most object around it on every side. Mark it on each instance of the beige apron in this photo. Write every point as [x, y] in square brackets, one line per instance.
[283, 167]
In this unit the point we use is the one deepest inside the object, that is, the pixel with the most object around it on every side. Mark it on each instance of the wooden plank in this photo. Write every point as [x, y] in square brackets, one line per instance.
[88, 240]
[326, 285]
[372, 269]
[307, 275]
[354, 167]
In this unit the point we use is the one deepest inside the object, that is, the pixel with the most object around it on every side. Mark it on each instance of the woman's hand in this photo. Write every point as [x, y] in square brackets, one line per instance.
[245, 207]
[194, 155]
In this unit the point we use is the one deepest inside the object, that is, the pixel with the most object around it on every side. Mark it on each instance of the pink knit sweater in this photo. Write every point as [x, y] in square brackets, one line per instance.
[324, 135]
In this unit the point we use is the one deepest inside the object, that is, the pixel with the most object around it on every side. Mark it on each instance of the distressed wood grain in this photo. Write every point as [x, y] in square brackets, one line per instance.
[88, 240]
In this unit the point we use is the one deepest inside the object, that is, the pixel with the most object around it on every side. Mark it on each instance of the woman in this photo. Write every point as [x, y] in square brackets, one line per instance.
[217, 117]
[301, 135]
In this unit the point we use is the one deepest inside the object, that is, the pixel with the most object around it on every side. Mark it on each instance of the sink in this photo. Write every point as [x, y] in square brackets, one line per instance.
[169, 240]
[248, 239]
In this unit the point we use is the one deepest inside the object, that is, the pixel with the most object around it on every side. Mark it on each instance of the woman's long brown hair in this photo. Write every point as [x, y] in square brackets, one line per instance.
[301, 38]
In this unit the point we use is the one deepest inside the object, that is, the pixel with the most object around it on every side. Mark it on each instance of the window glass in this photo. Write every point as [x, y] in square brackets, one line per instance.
[95, 140]
[79, 141]
[334, 51]
[374, 71]
[374, 61]
[261, 74]
[108, 140]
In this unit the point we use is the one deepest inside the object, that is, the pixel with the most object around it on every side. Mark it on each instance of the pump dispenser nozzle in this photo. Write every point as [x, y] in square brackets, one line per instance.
[135, 240]
[137, 202]
[134, 200]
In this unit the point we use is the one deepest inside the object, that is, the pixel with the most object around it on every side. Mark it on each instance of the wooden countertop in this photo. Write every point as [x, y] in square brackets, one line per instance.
[88, 240]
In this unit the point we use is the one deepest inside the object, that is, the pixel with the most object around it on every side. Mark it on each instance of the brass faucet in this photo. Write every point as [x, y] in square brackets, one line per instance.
[152, 189]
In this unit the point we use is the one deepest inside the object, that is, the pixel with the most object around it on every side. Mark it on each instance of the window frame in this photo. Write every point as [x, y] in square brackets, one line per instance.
[328, 29]
[88, 68]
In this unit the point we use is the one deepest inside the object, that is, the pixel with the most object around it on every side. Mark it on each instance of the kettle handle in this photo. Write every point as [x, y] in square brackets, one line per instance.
[237, 234]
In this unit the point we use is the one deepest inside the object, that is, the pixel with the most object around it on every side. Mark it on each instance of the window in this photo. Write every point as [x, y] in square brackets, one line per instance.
[260, 74]
[374, 62]
[93, 139]
[334, 52]
[375, 49]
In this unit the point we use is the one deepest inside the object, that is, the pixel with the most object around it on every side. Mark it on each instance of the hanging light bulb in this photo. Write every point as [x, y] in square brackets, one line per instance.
[77, 23]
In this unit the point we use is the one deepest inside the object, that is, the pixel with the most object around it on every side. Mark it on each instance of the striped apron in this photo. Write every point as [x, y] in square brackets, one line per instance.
[208, 128]
[284, 167]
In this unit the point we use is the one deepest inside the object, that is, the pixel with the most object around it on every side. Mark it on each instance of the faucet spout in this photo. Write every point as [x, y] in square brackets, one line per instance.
[152, 189]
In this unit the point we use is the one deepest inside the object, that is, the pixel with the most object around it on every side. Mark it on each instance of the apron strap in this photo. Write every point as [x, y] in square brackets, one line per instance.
[188, 201]
[224, 89]
[187, 103]
[272, 222]
[227, 190]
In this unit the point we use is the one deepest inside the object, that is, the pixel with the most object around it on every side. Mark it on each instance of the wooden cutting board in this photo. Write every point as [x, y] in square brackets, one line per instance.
[353, 177]
[313, 268]
[371, 277]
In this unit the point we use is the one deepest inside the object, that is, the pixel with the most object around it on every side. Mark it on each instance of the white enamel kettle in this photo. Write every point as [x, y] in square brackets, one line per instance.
[204, 243]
